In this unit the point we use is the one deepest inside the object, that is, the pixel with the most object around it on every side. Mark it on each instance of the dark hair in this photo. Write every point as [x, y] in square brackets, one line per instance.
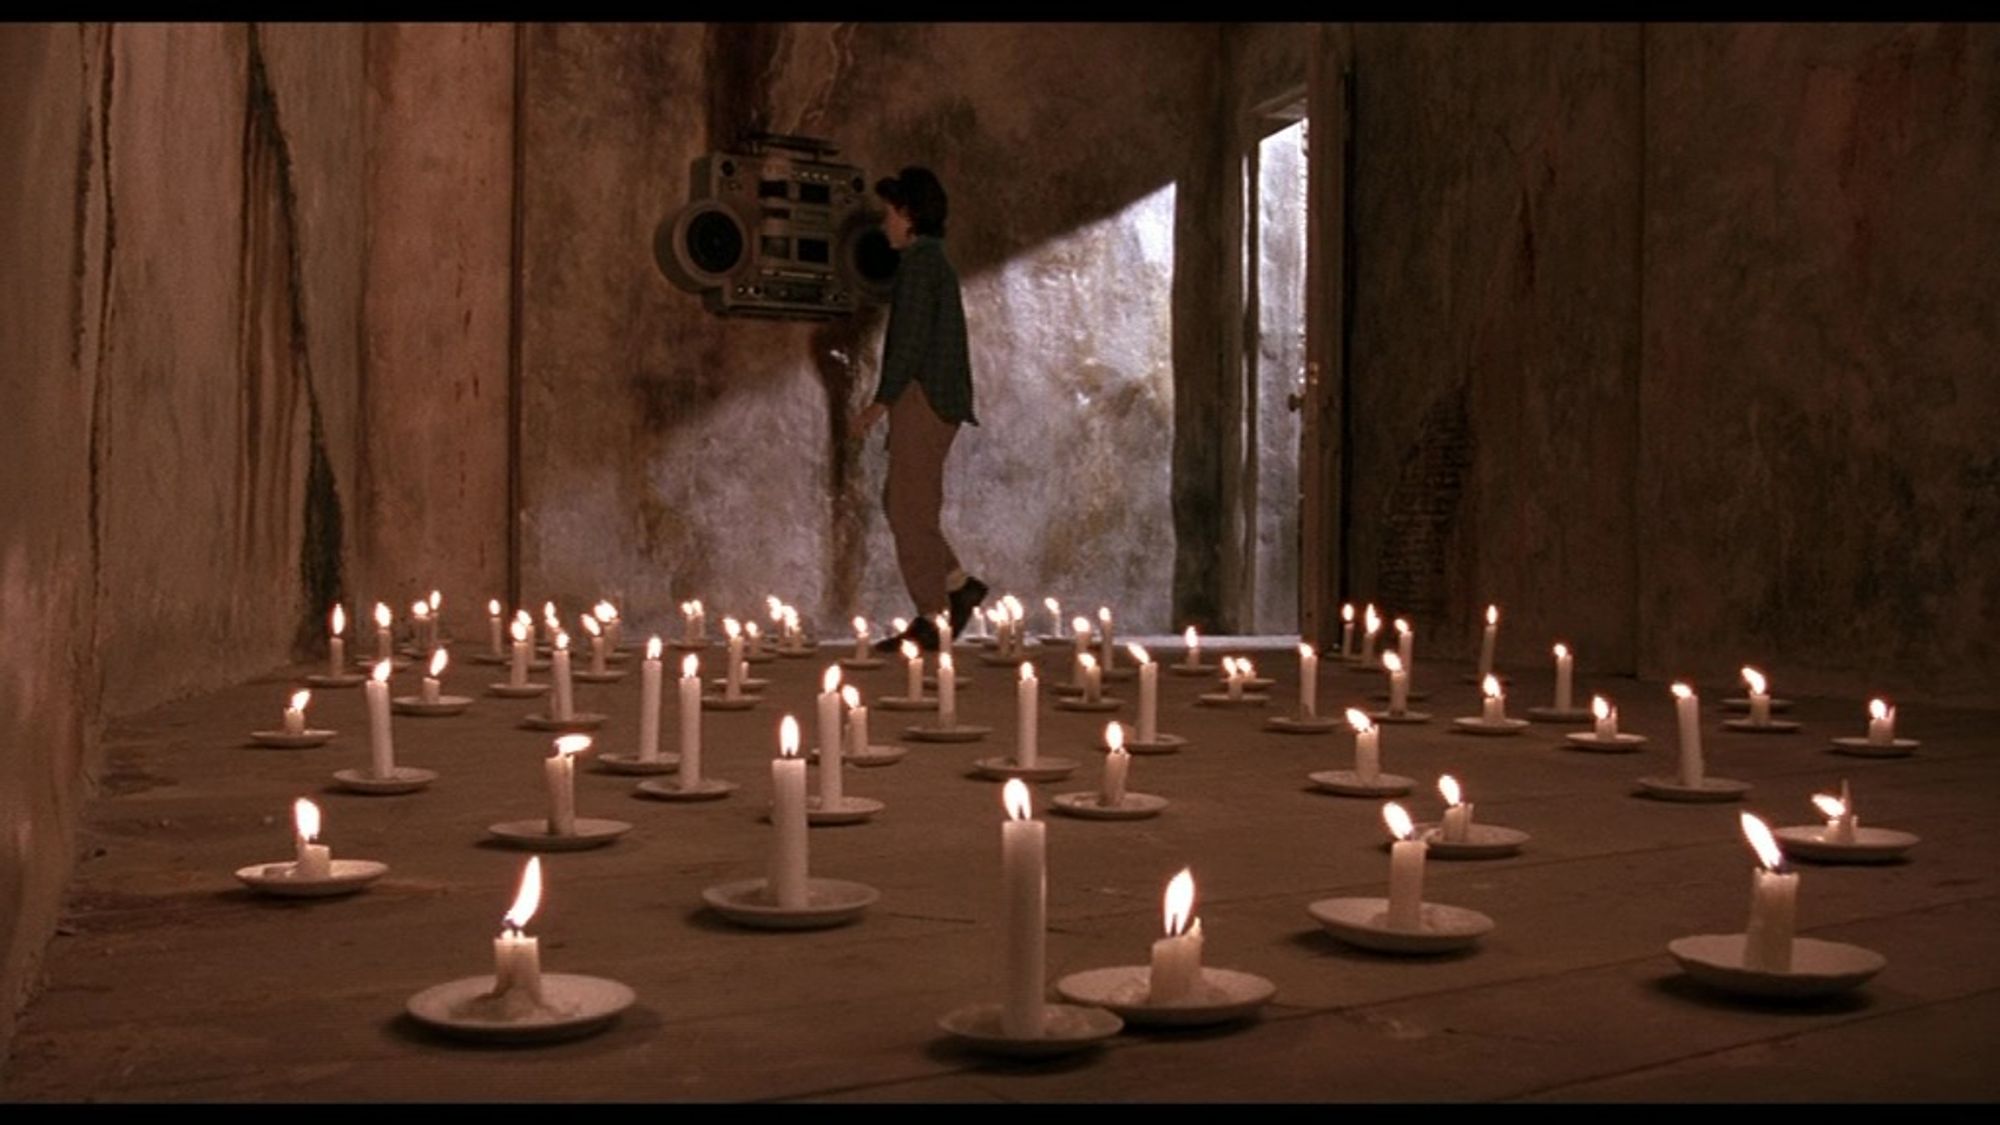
[917, 191]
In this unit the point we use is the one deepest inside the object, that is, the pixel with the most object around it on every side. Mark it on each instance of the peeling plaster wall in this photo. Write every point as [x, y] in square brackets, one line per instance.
[668, 453]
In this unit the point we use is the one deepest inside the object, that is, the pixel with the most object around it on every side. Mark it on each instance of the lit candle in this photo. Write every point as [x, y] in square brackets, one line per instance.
[384, 650]
[434, 619]
[1406, 870]
[1093, 677]
[1372, 626]
[420, 624]
[1841, 825]
[381, 750]
[427, 690]
[913, 664]
[944, 631]
[517, 958]
[1193, 647]
[861, 638]
[560, 769]
[1495, 707]
[857, 721]
[1016, 619]
[1399, 682]
[1564, 665]
[495, 634]
[1024, 905]
[1111, 791]
[1687, 708]
[1486, 640]
[732, 684]
[690, 629]
[1080, 629]
[649, 702]
[1406, 640]
[1055, 616]
[753, 639]
[1760, 699]
[596, 632]
[830, 795]
[336, 645]
[1346, 630]
[1231, 668]
[1606, 716]
[1149, 694]
[1881, 723]
[1176, 967]
[1367, 744]
[947, 678]
[551, 624]
[315, 861]
[565, 704]
[517, 669]
[607, 616]
[1104, 636]
[1774, 898]
[295, 712]
[1308, 681]
[1025, 710]
[690, 701]
[787, 879]
[1457, 814]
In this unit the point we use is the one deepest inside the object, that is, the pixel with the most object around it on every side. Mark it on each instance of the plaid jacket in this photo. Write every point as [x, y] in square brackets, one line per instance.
[926, 337]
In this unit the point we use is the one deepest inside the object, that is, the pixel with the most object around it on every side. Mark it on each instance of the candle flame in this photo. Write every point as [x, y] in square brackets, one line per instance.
[1080, 625]
[830, 681]
[1179, 903]
[791, 618]
[420, 608]
[732, 627]
[1104, 614]
[1829, 805]
[1402, 626]
[381, 672]
[1190, 637]
[751, 630]
[1755, 679]
[1139, 653]
[690, 666]
[1305, 650]
[493, 607]
[1246, 669]
[1229, 666]
[899, 625]
[1600, 707]
[653, 647]
[529, 898]
[525, 618]
[1682, 691]
[300, 698]
[909, 650]
[339, 621]
[1448, 789]
[605, 612]
[305, 817]
[776, 607]
[590, 625]
[1087, 660]
[1879, 709]
[1372, 620]
[1027, 672]
[1561, 650]
[437, 599]
[519, 630]
[1347, 611]
[945, 662]
[382, 617]
[439, 658]
[788, 737]
[1392, 662]
[549, 612]
[1761, 840]
[850, 697]
[572, 744]
[562, 641]
[1015, 796]
[1493, 615]
[1359, 720]
[1055, 607]
[1397, 820]
[1490, 687]
[1114, 737]
[861, 627]
[696, 603]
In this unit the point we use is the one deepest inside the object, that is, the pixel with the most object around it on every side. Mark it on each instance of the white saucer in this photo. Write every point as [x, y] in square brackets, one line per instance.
[905, 703]
[517, 691]
[1710, 789]
[415, 705]
[489, 657]
[960, 680]
[304, 740]
[1222, 699]
[1551, 715]
[1819, 968]
[1363, 922]
[1044, 769]
[1160, 744]
[533, 834]
[608, 676]
[1090, 806]
[1066, 1029]
[1774, 726]
[1412, 695]
[1482, 841]
[1078, 703]
[1222, 995]
[1182, 668]
[1470, 725]
[963, 732]
[404, 780]
[1862, 748]
[707, 789]
[578, 720]
[1258, 684]
[1871, 845]
[851, 810]
[1743, 704]
[1117, 675]
[345, 679]
[580, 1005]
[1291, 724]
[829, 902]
[349, 875]
[750, 684]
[723, 703]
[853, 665]
[879, 754]
[1620, 743]
[1348, 783]
[1405, 717]
[632, 764]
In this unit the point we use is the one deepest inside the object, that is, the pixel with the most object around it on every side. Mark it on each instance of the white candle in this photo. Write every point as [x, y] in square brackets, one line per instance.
[336, 645]
[1494, 708]
[1372, 623]
[315, 861]
[1232, 668]
[1055, 616]
[517, 669]
[560, 771]
[1149, 694]
[1399, 683]
[382, 751]
[732, 672]
[551, 624]
[1606, 717]
[1564, 665]
[1687, 711]
[565, 693]
[517, 958]
[1024, 904]
[430, 686]
[595, 630]
[1406, 871]
[1486, 640]
[1367, 744]
[1308, 681]
[861, 638]
[1080, 630]
[947, 678]
[295, 712]
[857, 721]
[1093, 678]
[690, 634]
[1111, 790]
[1774, 896]
[420, 625]
[1176, 962]
[753, 639]
[649, 702]
[607, 616]
[1406, 640]
[1841, 825]
[1193, 648]
[1104, 636]
[384, 649]
[495, 636]
[1457, 823]
[434, 620]
[1760, 699]
[1346, 630]
[787, 879]
[1881, 723]
[690, 704]
[1025, 711]
[830, 795]
[943, 621]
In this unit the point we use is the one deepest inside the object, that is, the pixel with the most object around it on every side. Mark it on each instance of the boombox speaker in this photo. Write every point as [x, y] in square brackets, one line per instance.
[777, 230]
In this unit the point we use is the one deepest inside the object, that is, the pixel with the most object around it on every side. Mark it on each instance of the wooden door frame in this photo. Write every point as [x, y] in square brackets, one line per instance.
[1329, 129]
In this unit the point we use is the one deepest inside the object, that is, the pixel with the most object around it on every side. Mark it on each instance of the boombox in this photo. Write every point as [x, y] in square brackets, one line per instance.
[777, 230]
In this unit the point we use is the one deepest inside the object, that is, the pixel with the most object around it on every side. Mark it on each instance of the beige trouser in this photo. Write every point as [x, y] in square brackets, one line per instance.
[913, 496]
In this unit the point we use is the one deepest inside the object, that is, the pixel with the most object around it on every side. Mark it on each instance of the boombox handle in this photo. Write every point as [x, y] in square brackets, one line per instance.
[757, 141]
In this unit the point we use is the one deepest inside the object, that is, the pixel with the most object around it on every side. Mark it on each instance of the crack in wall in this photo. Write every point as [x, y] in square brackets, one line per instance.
[100, 409]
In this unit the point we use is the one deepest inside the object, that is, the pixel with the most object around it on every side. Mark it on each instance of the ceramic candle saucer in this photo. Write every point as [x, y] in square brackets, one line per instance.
[1065, 690]
[578, 720]
[1091, 806]
[1860, 747]
[1772, 726]
[1349, 783]
[1555, 715]
[749, 683]
[850, 810]
[829, 902]
[1057, 640]
[442, 705]
[1620, 743]
[962, 732]
[1221, 995]
[959, 680]
[905, 703]
[1078, 703]
[1183, 668]
[1224, 699]
[403, 779]
[608, 676]
[1819, 968]
[879, 754]
[488, 658]
[630, 764]
[1117, 675]
[724, 703]
[1296, 724]
[1482, 841]
[1742, 704]
[345, 679]
[1400, 717]
[577, 1006]
[1365, 922]
[1413, 694]
[1871, 845]
[765, 657]
[1158, 744]
[518, 691]
[1710, 789]
[534, 835]
[1479, 725]
[348, 876]
[284, 740]
[799, 652]
[707, 789]
[1044, 769]
[1066, 1029]
[1253, 684]
[864, 665]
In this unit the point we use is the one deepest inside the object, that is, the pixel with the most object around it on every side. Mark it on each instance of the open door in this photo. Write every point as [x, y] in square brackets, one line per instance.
[1321, 396]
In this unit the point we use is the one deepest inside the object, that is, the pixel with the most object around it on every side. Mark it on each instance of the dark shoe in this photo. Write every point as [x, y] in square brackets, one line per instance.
[893, 644]
[924, 631]
[964, 600]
